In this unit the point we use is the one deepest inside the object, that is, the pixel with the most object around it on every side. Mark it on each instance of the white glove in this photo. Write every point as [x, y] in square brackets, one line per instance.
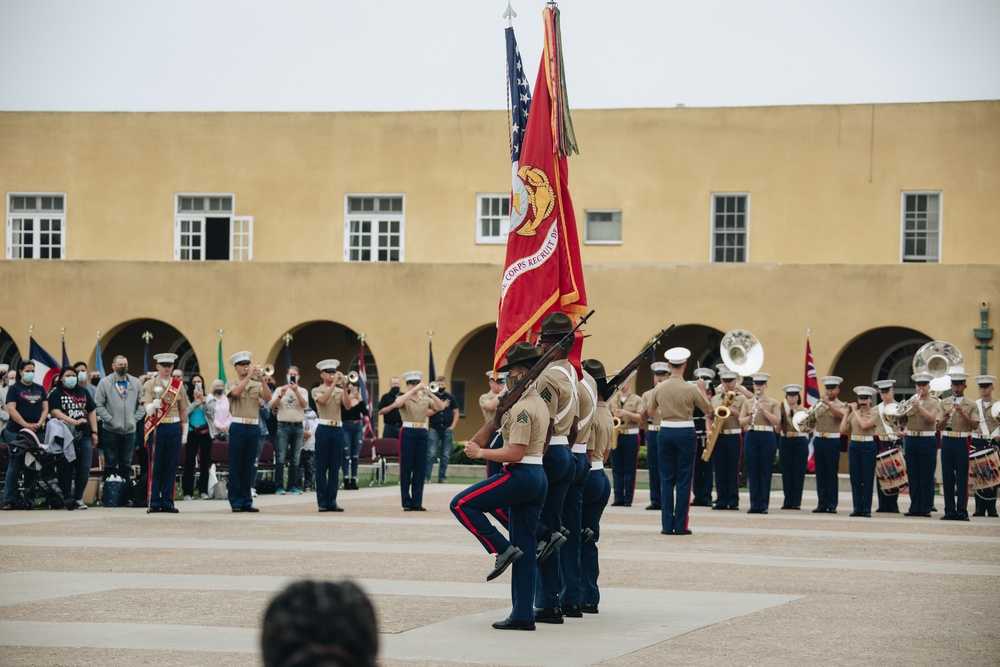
[153, 406]
[184, 438]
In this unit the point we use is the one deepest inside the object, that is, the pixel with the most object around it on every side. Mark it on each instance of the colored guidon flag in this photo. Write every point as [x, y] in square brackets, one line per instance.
[46, 367]
[543, 272]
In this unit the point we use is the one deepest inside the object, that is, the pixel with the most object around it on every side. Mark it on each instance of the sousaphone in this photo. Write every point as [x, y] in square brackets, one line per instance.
[938, 359]
[742, 352]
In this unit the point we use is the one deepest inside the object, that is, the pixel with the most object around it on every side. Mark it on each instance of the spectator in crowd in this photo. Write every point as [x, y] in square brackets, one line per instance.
[28, 408]
[354, 433]
[4, 415]
[10, 375]
[199, 444]
[83, 378]
[308, 476]
[71, 403]
[441, 436]
[119, 410]
[290, 401]
[391, 419]
[320, 624]
[217, 408]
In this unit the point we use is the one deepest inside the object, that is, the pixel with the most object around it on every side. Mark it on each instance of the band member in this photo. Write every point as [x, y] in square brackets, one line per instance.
[793, 449]
[702, 482]
[557, 385]
[244, 392]
[488, 404]
[859, 422]
[516, 494]
[960, 421]
[886, 437]
[673, 403]
[166, 404]
[331, 397]
[596, 492]
[987, 435]
[415, 405]
[760, 417]
[729, 446]
[921, 446]
[826, 445]
[660, 373]
[627, 407]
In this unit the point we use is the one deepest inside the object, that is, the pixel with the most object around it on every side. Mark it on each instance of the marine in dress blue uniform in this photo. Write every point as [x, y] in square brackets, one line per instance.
[921, 446]
[244, 392]
[660, 373]
[702, 486]
[729, 446]
[331, 398]
[960, 421]
[165, 441]
[826, 446]
[987, 435]
[515, 495]
[859, 423]
[760, 417]
[793, 449]
[596, 492]
[628, 408]
[886, 438]
[415, 406]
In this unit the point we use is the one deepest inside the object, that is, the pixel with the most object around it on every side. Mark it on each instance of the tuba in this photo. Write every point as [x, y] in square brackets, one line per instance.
[939, 359]
[742, 352]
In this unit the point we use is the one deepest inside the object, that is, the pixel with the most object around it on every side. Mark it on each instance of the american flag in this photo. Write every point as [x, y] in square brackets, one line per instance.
[518, 98]
[363, 388]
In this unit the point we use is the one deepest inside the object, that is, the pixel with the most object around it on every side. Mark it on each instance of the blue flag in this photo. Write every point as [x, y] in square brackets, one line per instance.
[65, 356]
[99, 363]
[433, 373]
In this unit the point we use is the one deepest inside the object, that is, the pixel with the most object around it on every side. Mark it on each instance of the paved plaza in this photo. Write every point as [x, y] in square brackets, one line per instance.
[119, 587]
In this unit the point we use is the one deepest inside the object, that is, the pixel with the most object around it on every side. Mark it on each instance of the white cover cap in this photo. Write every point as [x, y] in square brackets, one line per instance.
[677, 355]
[328, 365]
[831, 381]
[165, 358]
[240, 356]
[412, 376]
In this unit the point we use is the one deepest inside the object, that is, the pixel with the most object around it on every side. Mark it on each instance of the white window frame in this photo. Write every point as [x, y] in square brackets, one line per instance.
[374, 217]
[902, 225]
[483, 239]
[746, 231]
[37, 217]
[240, 228]
[586, 228]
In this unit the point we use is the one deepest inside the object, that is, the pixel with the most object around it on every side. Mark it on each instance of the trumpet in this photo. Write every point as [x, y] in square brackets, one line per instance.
[343, 380]
[721, 415]
[434, 387]
[267, 370]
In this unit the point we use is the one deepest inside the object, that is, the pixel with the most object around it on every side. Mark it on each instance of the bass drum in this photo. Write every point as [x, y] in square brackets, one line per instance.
[890, 469]
[984, 471]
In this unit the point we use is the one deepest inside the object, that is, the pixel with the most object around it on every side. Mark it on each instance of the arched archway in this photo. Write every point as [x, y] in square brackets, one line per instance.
[473, 358]
[127, 339]
[9, 352]
[880, 354]
[702, 340]
[315, 341]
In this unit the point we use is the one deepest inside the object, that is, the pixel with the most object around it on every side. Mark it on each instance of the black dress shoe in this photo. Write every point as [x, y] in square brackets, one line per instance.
[514, 624]
[407, 508]
[589, 608]
[152, 510]
[617, 503]
[926, 515]
[237, 509]
[735, 508]
[830, 510]
[504, 560]
[323, 509]
[552, 615]
[962, 517]
[855, 514]
[572, 611]
[910, 514]
[796, 507]
[786, 507]
[548, 547]
[866, 515]
[666, 532]
[651, 506]
[628, 504]
[170, 510]
[415, 509]
[949, 517]
[250, 508]
[979, 513]
[682, 532]
[819, 510]
[718, 507]
[992, 515]
[762, 512]
[335, 508]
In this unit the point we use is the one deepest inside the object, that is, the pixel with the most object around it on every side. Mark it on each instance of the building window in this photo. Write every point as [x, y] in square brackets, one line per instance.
[373, 228]
[730, 220]
[921, 227]
[897, 364]
[36, 225]
[603, 227]
[206, 229]
[492, 218]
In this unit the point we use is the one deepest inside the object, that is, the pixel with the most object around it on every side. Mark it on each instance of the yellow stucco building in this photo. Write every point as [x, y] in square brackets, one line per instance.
[871, 225]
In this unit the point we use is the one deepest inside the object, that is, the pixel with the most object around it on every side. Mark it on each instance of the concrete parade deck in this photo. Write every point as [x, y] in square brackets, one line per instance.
[119, 587]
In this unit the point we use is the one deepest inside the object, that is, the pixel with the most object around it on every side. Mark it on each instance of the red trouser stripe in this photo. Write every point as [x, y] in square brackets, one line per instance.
[478, 492]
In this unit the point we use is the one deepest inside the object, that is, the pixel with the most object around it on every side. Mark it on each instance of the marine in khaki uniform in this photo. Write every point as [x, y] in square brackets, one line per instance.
[515, 495]
[660, 373]
[960, 421]
[921, 446]
[859, 422]
[987, 435]
[673, 402]
[245, 392]
[886, 438]
[629, 409]
[760, 417]
[793, 449]
[826, 445]
[729, 446]
[166, 404]
[701, 486]
[596, 491]
[331, 398]
[415, 406]
[488, 404]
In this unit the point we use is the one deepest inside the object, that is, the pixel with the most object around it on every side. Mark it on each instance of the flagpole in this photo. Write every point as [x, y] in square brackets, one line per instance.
[288, 350]
[146, 336]
[222, 368]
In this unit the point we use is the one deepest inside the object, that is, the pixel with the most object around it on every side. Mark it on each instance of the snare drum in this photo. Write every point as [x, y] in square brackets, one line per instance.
[890, 468]
[984, 469]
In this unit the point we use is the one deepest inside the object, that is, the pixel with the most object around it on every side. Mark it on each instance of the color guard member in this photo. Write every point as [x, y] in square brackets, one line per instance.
[628, 408]
[859, 424]
[729, 446]
[516, 494]
[987, 435]
[557, 386]
[673, 403]
[331, 397]
[793, 449]
[886, 437]
[960, 421]
[245, 393]
[166, 404]
[702, 484]
[921, 446]
[415, 406]
[596, 492]
[660, 373]
[760, 417]
[826, 445]
[488, 404]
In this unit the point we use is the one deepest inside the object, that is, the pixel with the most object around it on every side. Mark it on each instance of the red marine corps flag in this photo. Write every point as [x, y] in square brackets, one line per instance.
[543, 272]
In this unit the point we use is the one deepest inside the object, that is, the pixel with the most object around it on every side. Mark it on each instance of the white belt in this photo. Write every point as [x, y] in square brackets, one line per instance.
[666, 424]
[245, 420]
[652, 427]
[922, 434]
[730, 431]
[580, 448]
[628, 431]
[887, 438]
[168, 420]
[956, 434]
[820, 434]
[422, 425]
[597, 465]
[980, 436]
[329, 422]
[794, 434]
[532, 460]
[758, 427]
[559, 440]
[862, 438]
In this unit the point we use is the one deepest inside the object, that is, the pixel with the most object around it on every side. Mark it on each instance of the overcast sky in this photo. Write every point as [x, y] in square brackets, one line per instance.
[385, 55]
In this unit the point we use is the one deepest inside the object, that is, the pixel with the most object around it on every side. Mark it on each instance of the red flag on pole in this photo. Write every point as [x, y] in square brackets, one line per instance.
[810, 397]
[543, 272]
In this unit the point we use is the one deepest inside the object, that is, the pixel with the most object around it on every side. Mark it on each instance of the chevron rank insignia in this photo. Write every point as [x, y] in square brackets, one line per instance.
[546, 395]
[522, 417]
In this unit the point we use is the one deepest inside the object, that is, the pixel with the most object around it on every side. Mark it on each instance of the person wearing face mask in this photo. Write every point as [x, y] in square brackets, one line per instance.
[118, 410]
[83, 378]
[217, 411]
[391, 420]
[28, 409]
[4, 415]
[71, 403]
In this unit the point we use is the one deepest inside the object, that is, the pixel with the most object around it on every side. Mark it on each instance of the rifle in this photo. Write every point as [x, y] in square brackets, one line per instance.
[631, 366]
[507, 401]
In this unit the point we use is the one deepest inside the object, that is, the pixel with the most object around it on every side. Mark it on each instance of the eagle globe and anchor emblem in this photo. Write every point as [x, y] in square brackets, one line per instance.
[530, 190]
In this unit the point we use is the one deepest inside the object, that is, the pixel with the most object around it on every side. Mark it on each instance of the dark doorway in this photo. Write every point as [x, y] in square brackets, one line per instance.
[217, 238]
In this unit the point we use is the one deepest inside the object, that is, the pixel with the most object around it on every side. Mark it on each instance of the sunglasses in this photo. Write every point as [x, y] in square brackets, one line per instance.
[242, 363]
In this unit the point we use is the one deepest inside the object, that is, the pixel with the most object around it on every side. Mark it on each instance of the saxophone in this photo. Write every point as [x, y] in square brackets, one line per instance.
[721, 414]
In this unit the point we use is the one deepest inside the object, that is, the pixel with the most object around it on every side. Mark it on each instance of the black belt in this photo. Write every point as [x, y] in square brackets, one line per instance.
[352, 421]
